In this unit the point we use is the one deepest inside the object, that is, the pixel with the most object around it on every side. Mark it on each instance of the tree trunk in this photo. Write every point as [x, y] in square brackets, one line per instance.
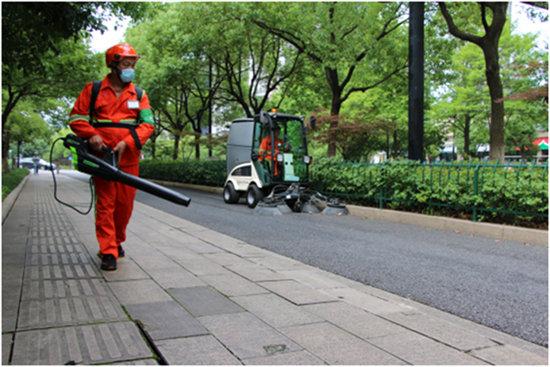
[176, 146]
[489, 45]
[496, 129]
[334, 113]
[6, 137]
[395, 145]
[335, 105]
[197, 147]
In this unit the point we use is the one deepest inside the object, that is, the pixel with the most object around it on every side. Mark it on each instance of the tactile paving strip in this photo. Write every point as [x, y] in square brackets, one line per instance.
[90, 344]
[69, 311]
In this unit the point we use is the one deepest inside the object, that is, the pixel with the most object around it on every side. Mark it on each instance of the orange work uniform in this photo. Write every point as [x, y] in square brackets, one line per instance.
[265, 150]
[114, 200]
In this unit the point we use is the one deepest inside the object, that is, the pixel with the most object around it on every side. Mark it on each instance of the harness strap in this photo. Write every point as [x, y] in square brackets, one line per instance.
[125, 125]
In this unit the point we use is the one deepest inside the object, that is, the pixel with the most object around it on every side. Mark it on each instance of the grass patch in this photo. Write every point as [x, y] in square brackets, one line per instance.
[11, 180]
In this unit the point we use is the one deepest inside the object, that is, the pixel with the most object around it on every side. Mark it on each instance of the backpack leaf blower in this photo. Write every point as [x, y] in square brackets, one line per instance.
[107, 168]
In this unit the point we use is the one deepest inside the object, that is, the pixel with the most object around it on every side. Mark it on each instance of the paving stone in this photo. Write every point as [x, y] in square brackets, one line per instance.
[420, 350]
[103, 343]
[275, 310]
[312, 278]
[13, 266]
[62, 271]
[245, 250]
[302, 358]
[140, 362]
[203, 301]
[11, 294]
[200, 350]
[126, 270]
[255, 272]
[199, 266]
[246, 336]
[42, 259]
[297, 293]
[201, 247]
[366, 301]
[6, 348]
[138, 291]
[276, 262]
[442, 331]
[69, 311]
[175, 277]
[354, 320]
[214, 238]
[233, 285]
[509, 355]
[63, 288]
[152, 260]
[164, 320]
[335, 346]
[227, 259]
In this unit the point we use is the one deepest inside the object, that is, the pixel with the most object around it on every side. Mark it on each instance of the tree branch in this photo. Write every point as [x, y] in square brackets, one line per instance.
[364, 89]
[453, 29]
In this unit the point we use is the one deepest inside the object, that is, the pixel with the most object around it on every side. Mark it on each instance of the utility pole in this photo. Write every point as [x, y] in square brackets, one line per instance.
[416, 81]
[210, 105]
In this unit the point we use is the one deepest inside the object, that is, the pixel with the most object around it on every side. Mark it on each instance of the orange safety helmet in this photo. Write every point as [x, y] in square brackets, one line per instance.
[116, 53]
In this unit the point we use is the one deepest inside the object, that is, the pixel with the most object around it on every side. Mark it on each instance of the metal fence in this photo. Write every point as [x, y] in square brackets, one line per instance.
[475, 188]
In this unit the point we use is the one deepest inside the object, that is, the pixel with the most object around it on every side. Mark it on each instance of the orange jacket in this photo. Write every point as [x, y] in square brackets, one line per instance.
[265, 147]
[116, 110]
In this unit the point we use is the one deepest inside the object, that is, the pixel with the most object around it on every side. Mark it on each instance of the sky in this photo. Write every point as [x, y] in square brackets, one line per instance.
[100, 43]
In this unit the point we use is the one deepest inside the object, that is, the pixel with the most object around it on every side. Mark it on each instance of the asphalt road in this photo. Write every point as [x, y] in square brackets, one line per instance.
[500, 284]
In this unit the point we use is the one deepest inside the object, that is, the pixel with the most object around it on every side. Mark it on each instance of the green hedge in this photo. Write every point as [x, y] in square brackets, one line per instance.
[498, 193]
[515, 194]
[192, 172]
[11, 180]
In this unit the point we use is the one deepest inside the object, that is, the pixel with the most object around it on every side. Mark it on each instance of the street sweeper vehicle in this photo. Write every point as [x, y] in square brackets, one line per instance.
[268, 165]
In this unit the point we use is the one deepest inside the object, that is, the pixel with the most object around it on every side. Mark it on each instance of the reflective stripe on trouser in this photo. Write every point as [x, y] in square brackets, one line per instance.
[113, 209]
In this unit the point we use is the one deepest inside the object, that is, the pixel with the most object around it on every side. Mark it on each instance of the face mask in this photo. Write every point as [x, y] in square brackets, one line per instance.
[126, 75]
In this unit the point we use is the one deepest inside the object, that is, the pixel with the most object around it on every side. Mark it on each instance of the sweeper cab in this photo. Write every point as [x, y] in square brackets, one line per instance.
[268, 164]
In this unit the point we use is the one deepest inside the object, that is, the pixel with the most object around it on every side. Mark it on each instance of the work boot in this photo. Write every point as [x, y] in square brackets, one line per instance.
[108, 262]
[120, 251]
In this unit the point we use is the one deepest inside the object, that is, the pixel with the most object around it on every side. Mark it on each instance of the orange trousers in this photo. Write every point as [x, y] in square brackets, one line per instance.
[113, 209]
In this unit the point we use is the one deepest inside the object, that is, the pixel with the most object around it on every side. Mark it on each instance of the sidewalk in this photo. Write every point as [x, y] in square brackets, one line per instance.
[187, 295]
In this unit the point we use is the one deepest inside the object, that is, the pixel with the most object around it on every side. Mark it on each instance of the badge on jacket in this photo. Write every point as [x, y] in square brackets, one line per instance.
[133, 105]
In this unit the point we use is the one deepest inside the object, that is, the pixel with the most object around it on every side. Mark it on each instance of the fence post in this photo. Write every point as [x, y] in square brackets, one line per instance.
[381, 206]
[476, 191]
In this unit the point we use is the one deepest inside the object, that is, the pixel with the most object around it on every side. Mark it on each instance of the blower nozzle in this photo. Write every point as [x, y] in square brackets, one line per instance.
[107, 169]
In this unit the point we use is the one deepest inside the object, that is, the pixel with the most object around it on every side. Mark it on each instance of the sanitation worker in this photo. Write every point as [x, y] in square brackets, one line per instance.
[265, 147]
[121, 121]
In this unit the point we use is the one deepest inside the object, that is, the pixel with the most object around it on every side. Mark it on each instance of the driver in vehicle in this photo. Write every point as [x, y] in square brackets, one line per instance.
[265, 148]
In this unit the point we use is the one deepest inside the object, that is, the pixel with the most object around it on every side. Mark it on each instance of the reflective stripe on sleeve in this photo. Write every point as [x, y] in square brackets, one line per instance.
[79, 117]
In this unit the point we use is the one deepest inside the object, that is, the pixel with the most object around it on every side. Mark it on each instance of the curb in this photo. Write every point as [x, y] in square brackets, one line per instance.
[215, 190]
[8, 202]
[519, 234]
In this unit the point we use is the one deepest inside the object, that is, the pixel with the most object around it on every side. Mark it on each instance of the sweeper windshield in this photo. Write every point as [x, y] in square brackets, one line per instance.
[281, 150]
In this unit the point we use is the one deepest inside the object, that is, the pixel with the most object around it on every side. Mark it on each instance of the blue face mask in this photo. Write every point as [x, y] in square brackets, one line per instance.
[126, 75]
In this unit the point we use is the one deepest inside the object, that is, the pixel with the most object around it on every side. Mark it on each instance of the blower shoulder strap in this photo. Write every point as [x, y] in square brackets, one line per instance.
[95, 92]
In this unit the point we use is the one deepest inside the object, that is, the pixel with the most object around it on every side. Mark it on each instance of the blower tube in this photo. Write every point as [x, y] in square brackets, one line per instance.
[107, 169]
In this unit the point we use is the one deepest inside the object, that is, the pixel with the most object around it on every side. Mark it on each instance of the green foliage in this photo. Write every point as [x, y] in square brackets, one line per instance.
[193, 172]
[11, 180]
[513, 194]
[32, 29]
